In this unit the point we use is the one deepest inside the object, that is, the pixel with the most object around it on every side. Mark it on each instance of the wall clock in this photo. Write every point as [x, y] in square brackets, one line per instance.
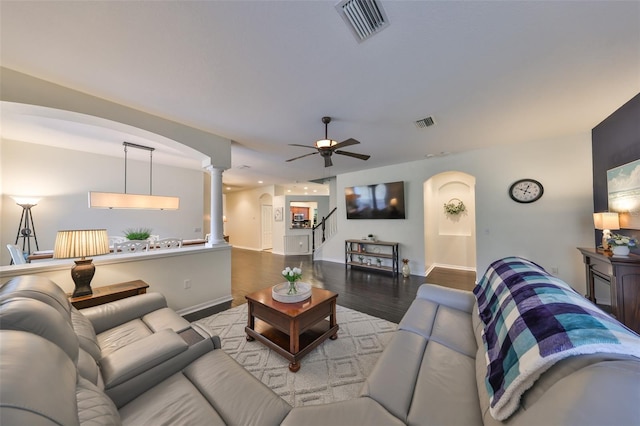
[526, 191]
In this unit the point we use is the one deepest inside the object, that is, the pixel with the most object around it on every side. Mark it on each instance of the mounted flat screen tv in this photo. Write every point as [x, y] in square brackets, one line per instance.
[379, 201]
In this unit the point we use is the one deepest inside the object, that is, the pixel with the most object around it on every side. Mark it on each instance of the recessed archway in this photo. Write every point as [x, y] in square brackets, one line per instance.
[450, 239]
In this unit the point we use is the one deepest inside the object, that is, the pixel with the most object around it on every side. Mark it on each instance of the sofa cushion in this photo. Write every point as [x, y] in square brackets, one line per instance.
[94, 407]
[174, 401]
[392, 380]
[34, 316]
[88, 368]
[419, 317]
[86, 334]
[37, 381]
[238, 397]
[113, 339]
[453, 328]
[445, 391]
[359, 411]
[39, 288]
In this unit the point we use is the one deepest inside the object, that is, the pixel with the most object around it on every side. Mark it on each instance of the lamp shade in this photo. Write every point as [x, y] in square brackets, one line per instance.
[81, 243]
[26, 201]
[606, 220]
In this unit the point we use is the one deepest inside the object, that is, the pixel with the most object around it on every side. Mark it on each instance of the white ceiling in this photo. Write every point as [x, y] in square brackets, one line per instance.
[263, 73]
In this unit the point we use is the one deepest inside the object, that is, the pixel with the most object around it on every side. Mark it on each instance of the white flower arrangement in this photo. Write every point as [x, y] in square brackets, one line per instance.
[454, 206]
[292, 274]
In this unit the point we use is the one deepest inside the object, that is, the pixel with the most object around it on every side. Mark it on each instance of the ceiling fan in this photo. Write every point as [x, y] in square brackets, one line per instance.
[326, 147]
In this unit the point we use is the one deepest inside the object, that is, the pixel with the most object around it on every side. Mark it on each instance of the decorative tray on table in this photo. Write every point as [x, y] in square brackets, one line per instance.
[280, 292]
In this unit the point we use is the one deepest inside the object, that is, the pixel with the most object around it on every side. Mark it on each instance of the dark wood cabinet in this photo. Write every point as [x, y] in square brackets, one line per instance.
[622, 274]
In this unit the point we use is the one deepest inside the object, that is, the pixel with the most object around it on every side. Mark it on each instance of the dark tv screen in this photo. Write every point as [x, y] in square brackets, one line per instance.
[379, 201]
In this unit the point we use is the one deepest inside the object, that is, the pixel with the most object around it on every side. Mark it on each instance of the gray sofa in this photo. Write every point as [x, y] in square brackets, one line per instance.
[133, 361]
[433, 371]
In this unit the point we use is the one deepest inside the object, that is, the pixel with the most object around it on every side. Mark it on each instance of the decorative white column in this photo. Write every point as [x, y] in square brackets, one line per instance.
[216, 229]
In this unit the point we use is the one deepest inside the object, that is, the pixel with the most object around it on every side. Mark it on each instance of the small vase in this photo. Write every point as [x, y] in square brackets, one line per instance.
[620, 250]
[406, 271]
[292, 288]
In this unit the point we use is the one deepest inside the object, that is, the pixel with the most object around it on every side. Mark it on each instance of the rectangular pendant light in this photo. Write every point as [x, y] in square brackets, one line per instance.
[114, 200]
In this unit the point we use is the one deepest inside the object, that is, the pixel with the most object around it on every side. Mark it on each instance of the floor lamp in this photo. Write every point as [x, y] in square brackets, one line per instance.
[26, 228]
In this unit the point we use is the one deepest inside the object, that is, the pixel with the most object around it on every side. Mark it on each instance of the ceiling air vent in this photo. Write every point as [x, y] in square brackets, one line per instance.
[364, 17]
[425, 122]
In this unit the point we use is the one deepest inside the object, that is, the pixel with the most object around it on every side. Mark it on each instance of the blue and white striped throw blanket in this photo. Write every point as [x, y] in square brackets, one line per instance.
[533, 320]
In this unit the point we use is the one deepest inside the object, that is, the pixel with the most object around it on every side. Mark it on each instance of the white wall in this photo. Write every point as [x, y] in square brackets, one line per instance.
[243, 209]
[64, 177]
[547, 231]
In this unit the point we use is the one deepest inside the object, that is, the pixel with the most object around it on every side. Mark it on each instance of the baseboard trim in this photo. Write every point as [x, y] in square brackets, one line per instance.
[205, 305]
[246, 248]
[444, 265]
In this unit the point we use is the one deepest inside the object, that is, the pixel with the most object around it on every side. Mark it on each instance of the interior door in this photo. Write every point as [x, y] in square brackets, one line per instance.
[267, 222]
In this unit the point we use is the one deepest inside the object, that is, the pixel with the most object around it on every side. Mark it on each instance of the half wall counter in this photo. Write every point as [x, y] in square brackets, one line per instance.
[191, 278]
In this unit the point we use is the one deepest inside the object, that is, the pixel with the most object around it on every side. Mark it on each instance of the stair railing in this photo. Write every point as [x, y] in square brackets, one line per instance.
[327, 227]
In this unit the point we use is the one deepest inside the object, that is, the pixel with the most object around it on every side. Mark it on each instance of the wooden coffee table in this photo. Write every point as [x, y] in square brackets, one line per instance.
[292, 329]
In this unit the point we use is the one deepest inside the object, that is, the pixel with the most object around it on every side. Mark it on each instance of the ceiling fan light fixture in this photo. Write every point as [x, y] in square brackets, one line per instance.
[325, 143]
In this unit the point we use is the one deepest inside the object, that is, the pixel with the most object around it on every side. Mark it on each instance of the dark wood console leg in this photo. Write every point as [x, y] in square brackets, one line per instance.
[294, 366]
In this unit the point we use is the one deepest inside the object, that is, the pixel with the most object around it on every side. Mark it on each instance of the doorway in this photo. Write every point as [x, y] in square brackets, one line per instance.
[266, 238]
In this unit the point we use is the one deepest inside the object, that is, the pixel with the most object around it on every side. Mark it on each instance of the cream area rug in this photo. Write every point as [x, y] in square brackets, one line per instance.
[334, 371]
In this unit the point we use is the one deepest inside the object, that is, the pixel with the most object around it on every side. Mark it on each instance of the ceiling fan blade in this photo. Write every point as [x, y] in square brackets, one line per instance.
[304, 146]
[302, 156]
[327, 161]
[344, 143]
[354, 155]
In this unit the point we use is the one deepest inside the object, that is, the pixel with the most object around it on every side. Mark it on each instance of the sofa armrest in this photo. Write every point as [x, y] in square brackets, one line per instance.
[138, 357]
[456, 299]
[110, 315]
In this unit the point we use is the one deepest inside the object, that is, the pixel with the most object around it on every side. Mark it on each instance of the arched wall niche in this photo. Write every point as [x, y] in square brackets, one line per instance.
[450, 240]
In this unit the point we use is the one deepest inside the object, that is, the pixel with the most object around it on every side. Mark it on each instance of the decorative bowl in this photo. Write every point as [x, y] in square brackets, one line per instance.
[279, 292]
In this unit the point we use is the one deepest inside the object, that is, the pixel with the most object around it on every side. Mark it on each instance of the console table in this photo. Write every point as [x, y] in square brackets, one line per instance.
[386, 251]
[622, 274]
[109, 293]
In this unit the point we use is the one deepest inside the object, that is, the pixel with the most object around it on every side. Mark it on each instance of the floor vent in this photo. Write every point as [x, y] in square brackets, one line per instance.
[364, 17]
[425, 122]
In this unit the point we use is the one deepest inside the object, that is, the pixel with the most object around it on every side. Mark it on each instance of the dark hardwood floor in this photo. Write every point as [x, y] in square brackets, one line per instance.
[380, 295]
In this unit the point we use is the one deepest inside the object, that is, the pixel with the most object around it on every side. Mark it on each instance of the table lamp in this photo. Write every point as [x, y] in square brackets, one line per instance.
[81, 243]
[606, 221]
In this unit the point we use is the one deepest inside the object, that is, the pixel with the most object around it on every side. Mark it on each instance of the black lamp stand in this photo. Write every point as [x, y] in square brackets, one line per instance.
[26, 229]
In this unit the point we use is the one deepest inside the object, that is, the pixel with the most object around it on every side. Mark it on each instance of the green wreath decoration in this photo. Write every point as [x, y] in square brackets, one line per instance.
[454, 206]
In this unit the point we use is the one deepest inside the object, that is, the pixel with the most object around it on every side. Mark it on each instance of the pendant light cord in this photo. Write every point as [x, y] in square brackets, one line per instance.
[148, 148]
